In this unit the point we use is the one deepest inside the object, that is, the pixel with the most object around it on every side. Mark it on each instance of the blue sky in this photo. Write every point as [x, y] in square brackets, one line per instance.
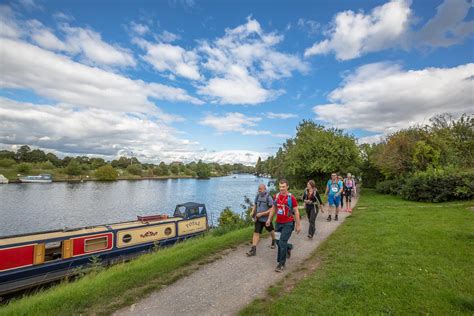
[225, 81]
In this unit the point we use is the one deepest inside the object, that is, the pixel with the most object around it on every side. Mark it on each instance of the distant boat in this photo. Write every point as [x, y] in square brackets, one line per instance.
[3, 180]
[42, 178]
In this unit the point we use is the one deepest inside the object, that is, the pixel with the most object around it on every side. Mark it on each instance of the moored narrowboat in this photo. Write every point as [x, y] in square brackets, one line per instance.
[33, 259]
[42, 178]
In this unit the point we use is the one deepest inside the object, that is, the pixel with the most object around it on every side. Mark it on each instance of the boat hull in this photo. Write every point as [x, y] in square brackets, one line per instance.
[35, 181]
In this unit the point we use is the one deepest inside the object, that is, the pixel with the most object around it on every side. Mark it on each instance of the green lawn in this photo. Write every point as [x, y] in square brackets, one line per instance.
[390, 257]
[123, 284]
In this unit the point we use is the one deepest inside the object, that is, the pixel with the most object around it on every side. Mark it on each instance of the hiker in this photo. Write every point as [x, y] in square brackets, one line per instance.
[285, 207]
[312, 201]
[334, 188]
[260, 211]
[349, 191]
[339, 178]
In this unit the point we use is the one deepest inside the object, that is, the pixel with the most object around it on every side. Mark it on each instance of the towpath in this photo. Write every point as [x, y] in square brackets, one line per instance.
[229, 284]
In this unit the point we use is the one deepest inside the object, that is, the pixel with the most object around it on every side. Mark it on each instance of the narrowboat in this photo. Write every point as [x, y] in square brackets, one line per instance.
[34, 259]
[42, 178]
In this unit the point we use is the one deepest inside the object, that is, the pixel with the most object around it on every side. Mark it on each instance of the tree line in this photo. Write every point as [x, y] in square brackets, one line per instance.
[431, 162]
[25, 159]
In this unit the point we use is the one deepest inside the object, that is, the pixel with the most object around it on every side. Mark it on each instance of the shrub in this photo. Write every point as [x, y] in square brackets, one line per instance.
[390, 186]
[23, 167]
[45, 165]
[74, 168]
[439, 186]
[7, 163]
[228, 217]
[136, 169]
[106, 173]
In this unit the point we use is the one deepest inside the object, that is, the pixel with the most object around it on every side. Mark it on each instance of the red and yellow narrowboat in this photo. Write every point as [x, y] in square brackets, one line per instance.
[33, 259]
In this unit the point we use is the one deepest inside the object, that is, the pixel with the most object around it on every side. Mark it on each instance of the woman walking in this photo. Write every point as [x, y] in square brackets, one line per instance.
[312, 200]
[349, 191]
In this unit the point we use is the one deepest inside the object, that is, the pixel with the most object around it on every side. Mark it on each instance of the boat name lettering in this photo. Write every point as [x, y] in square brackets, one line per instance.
[193, 223]
[148, 234]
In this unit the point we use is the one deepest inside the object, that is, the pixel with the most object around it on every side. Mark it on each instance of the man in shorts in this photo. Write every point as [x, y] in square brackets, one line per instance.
[334, 187]
[260, 211]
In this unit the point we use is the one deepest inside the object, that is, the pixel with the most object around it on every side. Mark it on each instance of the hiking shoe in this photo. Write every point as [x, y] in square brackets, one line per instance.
[309, 236]
[273, 244]
[329, 218]
[279, 268]
[252, 252]
[336, 218]
[288, 253]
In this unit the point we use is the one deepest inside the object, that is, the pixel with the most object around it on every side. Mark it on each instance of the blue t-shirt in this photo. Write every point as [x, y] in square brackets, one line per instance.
[334, 187]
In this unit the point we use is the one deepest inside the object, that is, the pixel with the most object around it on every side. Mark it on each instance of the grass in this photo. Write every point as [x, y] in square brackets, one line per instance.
[390, 257]
[103, 292]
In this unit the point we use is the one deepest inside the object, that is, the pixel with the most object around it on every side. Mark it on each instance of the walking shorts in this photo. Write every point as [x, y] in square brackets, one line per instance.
[334, 200]
[259, 227]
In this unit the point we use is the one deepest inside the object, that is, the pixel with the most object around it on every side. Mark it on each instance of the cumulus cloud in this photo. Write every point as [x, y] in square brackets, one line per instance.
[139, 28]
[281, 116]
[8, 25]
[383, 98]
[44, 36]
[57, 77]
[103, 133]
[354, 34]
[243, 59]
[167, 37]
[172, 58]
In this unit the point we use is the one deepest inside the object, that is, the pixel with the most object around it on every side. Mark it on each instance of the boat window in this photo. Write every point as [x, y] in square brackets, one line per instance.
[53, 251]
[95, 244]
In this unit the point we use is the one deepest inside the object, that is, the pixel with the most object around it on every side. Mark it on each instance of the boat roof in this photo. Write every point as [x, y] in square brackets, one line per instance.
[34, 237]
[191, 204]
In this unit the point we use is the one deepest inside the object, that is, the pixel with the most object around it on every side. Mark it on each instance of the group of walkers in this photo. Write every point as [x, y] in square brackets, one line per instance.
[285, 206]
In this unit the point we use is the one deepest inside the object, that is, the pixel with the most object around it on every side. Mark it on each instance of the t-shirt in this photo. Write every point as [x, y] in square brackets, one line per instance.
[349, 183]
[262, 203]
[334, 187]
[282, 210]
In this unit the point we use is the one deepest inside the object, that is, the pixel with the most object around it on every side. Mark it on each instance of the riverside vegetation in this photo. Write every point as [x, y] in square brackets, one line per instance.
[27, 161]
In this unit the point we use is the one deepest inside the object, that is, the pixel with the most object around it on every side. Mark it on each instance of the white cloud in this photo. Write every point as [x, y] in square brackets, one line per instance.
[103, 133]
[383, 98]
[233, 122]
[243, 59]
[94, 50]
[139, 28]
[61, 79]
[447, 27]
[238, 87]
[167, 57]
[88, 131]
[44, 37]
[281, 116]
[310, 26]
[377, 138]
[354, 34]
[8, 25]
[167, 37]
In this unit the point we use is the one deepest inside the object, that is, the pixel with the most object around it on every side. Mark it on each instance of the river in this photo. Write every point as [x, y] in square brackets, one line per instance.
[32, 207]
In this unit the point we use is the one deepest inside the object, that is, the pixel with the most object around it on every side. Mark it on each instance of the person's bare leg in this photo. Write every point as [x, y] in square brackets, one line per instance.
[255, 239]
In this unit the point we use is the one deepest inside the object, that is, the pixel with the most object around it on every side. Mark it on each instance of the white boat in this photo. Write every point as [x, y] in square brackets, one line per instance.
[42, 178]
[3, 180]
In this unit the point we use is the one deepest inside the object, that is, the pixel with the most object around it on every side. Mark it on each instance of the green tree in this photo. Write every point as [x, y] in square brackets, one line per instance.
[36, 155]
[5, 154]
[202, 170]
[54, 159]
[174, 168]
[135, 169]
[74, 168]
[23, 167]
[259, 166]
[97, 163]
[162, 170]
[22, 153]
[7, 162]
[106, 173]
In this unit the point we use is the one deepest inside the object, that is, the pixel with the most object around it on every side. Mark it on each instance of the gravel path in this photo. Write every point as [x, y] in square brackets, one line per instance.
[229, 284]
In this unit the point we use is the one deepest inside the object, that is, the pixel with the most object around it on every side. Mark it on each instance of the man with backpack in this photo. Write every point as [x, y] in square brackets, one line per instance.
[285, 207]
[260, 211]
[334, 187]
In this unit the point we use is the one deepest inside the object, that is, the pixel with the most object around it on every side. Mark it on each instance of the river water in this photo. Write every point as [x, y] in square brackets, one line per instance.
[32, 207]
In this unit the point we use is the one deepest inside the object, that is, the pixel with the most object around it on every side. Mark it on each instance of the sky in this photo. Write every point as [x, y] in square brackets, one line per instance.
[225, 81]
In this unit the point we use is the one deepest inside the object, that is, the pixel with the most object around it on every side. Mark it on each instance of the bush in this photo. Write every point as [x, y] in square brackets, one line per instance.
[23, 167]
[228, 217]
[439, 186]
[389, 186]
[136, 169]
[106, 173]
[46, 165]
[74, 168]
[7, 163]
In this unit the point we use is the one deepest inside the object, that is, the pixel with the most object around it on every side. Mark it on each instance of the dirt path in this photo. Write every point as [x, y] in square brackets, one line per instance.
[227, 285]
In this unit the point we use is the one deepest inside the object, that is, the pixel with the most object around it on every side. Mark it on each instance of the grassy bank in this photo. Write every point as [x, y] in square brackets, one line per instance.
[123, 284]
[391, 256]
